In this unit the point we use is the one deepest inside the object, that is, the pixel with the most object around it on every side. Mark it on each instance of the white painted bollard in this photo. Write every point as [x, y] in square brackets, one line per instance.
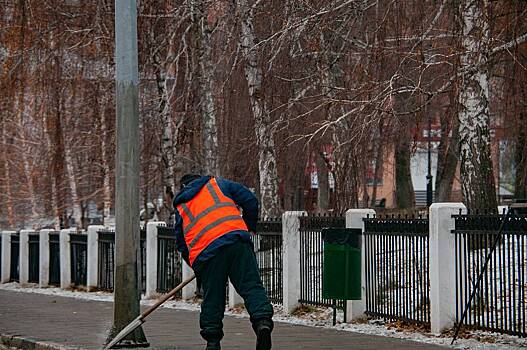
[151, 258]
[442, 265]
[92, 274]
[43, 274]
[24, 256]
[6, 256]
[234, 298]
[189, 291]
[354, 219]
[65, 259]
[291, 259]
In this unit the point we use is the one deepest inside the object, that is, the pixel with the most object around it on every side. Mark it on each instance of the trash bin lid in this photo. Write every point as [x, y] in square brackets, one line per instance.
[342, 236]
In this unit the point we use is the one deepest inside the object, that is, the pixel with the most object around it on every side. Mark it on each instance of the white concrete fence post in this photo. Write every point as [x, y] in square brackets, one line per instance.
[442, 265]
[234, 298]
[189, 291]
[43, 273]
[354, 219]
[291, 259]
[24, 256]
[65, 259]
[151, 258]
[5, 275]
[92, 274]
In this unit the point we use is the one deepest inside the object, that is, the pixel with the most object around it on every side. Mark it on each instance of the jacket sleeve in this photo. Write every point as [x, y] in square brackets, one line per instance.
[181, 245]
[243, 198]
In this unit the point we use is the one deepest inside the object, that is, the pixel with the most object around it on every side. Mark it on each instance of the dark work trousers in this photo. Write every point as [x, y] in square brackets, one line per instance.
[238, 263]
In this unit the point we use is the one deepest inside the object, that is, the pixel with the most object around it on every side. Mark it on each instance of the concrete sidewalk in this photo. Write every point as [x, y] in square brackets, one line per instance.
[82, 324]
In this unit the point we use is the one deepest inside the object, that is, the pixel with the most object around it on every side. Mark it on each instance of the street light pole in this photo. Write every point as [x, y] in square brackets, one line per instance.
[126, 289]
[429, 177]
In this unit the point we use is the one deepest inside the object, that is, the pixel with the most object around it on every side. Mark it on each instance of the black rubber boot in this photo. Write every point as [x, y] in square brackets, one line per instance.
[213, 345]
[263, 336]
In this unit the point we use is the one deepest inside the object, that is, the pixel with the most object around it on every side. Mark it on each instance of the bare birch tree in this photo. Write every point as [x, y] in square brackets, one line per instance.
[267, 167]
[477, 176]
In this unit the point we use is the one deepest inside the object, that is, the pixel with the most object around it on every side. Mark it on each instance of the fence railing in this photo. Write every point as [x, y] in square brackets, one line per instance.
[79, 258]
[500, 304]
[34, 258]
[269, 256]
[106, 259]
[312, 258]
[14, 275]
[169, 268]
[54, 259]
[397, 268]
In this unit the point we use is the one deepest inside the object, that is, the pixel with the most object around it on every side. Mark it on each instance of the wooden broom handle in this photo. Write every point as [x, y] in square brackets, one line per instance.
[167, 296]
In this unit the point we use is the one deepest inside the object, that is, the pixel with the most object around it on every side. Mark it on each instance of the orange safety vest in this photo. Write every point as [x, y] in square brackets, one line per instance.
[207, 216]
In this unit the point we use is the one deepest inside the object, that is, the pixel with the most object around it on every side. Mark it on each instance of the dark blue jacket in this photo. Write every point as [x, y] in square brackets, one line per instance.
[241, 196]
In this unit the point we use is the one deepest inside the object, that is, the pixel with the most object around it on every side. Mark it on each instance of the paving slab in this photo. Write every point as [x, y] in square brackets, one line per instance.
[83, 324]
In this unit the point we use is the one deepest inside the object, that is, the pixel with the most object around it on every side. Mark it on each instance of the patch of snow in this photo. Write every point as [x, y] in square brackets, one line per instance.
[319, 317]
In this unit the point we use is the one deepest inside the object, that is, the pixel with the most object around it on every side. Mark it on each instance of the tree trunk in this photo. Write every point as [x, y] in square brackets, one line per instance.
[263, 128]
[106, 186]
[379, 154]
[520, 187]
[447, 163]
[477, 176]
[206, 76]
[323, 182]
[70, 170]
[22, 111]
[404, 189]
[7, 178]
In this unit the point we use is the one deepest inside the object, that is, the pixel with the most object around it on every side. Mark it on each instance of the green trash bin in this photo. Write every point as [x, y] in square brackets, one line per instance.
[342, 264]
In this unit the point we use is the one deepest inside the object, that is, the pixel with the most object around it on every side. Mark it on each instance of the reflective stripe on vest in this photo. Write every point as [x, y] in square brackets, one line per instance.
[207, 216]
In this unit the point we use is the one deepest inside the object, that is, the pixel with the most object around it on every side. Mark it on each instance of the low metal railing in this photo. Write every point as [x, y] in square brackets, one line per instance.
[500, 304]
[169, 268]
[397, 268]
[54, 259]
[312, 258]
[269, 256]
[14, 275]
[34, 257]
[106, 259]
[79, 258]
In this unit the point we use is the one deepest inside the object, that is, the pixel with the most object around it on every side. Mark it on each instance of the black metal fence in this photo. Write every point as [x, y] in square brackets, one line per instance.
[397, 268]
[14, 275]
[500, 304]
[268, 250]
[106, 262]
[169, 268]
[34, 257]
[54, 259]
[312, 258]
[79, 258]
[106, 259]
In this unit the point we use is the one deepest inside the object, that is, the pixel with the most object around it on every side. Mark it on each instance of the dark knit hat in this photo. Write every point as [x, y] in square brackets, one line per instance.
[188, 178]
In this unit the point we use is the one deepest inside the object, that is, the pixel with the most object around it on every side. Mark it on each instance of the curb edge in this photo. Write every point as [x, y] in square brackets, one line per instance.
[27, 343]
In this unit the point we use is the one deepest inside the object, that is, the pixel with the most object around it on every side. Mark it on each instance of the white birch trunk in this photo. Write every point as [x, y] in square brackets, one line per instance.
[107, 188]
[210, 129]
[54, 189]
[22, 111]
[70, 171]
[477, 175]
[262, 119]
